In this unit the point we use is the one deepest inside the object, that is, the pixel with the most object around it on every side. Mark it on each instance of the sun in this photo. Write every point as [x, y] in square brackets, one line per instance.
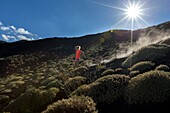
[133, 11]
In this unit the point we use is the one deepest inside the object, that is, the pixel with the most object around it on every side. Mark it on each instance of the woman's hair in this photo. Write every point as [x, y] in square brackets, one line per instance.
[78, 47]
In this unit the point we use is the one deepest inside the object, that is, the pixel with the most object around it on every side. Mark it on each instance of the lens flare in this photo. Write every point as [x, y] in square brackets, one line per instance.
[133, 12]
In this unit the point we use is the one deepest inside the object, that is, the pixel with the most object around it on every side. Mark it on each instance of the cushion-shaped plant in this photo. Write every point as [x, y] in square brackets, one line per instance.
[142, 66]
[54, 83]
[73, 83]
[162, 67]
[134, 73]
[80, 71]
[32, 101]
[107, 72]
[105, 89]
[149, 87]
[75, 104]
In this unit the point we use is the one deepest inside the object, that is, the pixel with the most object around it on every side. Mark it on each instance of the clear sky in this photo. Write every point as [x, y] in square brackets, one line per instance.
[34, 19]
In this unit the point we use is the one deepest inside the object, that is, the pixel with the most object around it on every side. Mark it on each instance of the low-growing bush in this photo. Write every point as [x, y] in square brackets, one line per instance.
[73, 83]
[54, 83]
[75, 104]
[52, 71]
[142, 66]
[16, 78]
[80, 71]
[19, 82]
[6, 91]
[134, 73]
[105, 89]
[118, 71]
[2, 86]
[107, 72]
[151, 53]
[162, 67]
[149, 87]
[3, 98]
[48, 80]
[32, 101]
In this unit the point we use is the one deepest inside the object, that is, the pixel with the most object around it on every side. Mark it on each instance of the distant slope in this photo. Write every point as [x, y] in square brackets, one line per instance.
[65, 46]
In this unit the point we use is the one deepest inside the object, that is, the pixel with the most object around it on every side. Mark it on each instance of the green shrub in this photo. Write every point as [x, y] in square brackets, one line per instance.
[2, 86]
[16, 78]
[52, 71]
[73, 83]
[80, 71]
[19, 82]
[162, 67]
[106, 89]
[149, 87]
[107, 72]
[48, 80]
[6, 91]
[149, 53]
[54, 83]
[76, 104]
[39, 74]
[70, 69]
[134, 73]
[3, 98]
[142, 66]
[32, 101]
[118, 71]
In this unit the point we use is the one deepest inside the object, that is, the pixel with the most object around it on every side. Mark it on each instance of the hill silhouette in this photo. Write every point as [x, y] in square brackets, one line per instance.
[113, 76]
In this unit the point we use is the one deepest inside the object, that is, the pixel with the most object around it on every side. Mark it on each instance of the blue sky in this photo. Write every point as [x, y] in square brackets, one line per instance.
[35, 19]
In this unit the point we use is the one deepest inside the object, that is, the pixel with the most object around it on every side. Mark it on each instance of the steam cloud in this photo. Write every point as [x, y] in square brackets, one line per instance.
[152, 37]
